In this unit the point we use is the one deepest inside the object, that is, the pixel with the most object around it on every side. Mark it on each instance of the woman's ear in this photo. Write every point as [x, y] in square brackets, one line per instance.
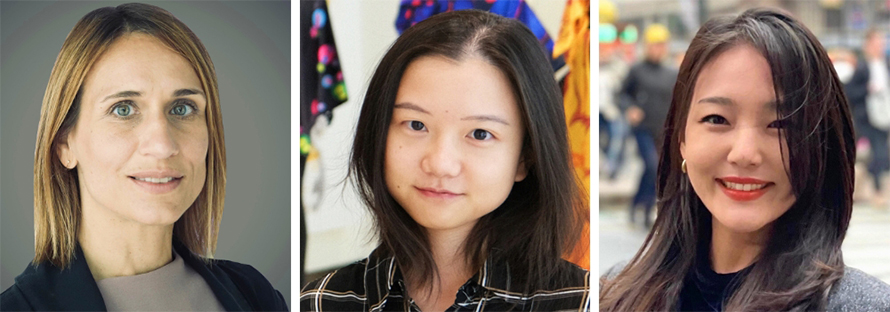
[683, 149]
[65, 152]
[521, 170]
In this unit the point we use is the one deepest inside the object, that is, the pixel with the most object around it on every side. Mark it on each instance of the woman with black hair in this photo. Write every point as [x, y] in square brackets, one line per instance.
[755, 181]
[461, 156]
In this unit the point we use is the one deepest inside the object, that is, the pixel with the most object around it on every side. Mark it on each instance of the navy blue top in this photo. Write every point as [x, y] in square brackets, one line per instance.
[706, 290]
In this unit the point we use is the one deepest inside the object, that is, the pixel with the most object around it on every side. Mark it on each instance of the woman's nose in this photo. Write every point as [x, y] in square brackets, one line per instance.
[441, 158]
[746, 148]
[157, 138]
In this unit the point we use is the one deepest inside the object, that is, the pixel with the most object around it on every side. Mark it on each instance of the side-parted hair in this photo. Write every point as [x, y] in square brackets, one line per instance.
[541, 218]
[802, 258]
[57, 209]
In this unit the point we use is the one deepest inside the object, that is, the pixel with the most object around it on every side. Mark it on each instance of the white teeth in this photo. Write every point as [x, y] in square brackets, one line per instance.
[743, 187]
[156, 180]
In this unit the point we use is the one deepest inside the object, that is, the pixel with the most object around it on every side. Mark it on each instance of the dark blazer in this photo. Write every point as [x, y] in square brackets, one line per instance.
[238, 287]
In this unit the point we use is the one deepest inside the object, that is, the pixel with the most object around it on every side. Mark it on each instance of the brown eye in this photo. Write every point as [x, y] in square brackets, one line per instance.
[715, 119]
[481, 135]
[779, 124]
[416, 125]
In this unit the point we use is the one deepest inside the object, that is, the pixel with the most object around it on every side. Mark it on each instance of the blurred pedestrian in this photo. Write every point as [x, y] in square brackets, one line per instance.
[613, 127]
[869, 83]
[645, 98]
[878, 102]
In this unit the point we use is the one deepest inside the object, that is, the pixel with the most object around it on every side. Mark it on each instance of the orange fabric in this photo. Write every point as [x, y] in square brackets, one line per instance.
[574, 42]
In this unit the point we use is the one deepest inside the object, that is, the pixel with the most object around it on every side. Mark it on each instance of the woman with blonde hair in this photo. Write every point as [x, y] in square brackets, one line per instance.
[129, 176]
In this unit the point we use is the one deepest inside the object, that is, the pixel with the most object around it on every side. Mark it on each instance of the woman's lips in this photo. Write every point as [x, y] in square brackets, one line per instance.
[436, 193]
[150, 185]
[743, 189]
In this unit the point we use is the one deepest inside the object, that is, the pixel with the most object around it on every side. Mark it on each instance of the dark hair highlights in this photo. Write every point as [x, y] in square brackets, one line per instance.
[802, 258]
[540, 219]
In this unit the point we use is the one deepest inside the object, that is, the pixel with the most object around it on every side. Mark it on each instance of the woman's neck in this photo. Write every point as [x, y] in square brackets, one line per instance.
[114, 246]
[453, 267]
[733, 251]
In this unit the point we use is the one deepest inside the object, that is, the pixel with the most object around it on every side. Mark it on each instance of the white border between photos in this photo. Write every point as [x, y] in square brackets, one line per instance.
[295, 283]
[594, 165]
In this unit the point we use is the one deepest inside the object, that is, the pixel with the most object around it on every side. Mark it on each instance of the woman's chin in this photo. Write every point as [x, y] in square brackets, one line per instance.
[159, 215]
[741, 224]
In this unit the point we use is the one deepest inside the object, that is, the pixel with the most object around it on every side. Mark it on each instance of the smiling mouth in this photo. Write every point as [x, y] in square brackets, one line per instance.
[156, 180]
[157, 185]
[745, 187]
[744, 191]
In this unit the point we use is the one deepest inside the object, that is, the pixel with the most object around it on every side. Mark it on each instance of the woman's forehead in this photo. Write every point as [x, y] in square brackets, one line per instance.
[736, 76]
[141, 63]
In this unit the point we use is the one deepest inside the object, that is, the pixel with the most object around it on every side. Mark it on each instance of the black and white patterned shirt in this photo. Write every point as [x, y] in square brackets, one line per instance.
[375, 284]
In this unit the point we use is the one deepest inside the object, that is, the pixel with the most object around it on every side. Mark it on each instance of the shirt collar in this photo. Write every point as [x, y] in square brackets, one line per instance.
[382, 277]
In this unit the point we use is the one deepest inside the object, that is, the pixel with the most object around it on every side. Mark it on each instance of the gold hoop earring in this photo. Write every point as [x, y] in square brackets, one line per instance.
[683, 166]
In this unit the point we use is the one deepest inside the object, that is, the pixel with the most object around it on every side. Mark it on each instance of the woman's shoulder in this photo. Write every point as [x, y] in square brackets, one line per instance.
[858, 291]
[258, 291]
[346, 288]
[350, 277]
[45, 287]
[577, 276]
[235, 278]
[12, 299]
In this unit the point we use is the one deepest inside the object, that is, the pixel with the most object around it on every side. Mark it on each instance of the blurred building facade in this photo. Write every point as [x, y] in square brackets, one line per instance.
[837, 23]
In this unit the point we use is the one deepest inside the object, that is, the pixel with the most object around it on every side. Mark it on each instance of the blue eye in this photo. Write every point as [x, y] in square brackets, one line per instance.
[123, 110]
[182, 110]
[481, 135]
[715, 119]
[416, 125]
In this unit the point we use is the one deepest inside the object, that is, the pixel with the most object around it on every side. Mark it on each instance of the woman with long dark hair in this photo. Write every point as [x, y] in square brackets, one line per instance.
[461, 156]
[755, 181]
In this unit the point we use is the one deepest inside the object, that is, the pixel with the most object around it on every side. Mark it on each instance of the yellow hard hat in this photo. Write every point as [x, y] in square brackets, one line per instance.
[608, 12]
[656, 33]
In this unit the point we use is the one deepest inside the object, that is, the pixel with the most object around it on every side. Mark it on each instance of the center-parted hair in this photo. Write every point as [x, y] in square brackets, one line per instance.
[802, 258]
[541, 218]
[57, 209]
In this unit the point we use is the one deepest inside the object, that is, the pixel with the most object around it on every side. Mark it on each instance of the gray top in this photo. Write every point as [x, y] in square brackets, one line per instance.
[856, 291]
[172, 287]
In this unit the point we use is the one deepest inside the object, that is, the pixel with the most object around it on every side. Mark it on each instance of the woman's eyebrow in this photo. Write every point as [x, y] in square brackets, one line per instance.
[474, 117]
[487, 118]
[411, 107]
[131, 93]
[184, 92]
[725, 101]
[123, 94]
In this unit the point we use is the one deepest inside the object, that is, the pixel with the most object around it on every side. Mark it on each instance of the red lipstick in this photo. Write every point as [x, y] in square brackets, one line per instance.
[743, 195]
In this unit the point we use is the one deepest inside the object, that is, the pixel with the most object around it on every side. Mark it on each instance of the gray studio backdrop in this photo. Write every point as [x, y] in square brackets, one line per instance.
[249, 43]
